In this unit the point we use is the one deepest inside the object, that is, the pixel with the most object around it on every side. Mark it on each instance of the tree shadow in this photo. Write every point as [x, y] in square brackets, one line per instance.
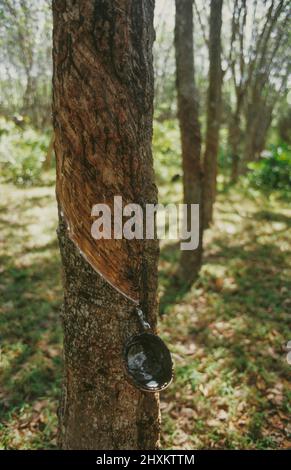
[271, 216]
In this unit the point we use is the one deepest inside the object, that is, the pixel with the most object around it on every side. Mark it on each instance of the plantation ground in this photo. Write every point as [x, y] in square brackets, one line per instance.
[228, 333]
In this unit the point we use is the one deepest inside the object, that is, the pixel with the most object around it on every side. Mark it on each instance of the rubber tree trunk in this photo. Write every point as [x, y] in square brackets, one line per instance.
[258, 121]
[188, 116]
[250, 131]
[234, 137]
[102, 112]
[213, 112]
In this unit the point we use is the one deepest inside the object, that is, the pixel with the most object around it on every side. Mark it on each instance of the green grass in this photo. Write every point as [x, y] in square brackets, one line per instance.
[30, 288]
[227, 333]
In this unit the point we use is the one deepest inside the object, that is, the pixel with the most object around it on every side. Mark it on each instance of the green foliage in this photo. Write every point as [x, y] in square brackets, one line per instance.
[22, 153]
[166, 150]
[167, 161]
[273, 171]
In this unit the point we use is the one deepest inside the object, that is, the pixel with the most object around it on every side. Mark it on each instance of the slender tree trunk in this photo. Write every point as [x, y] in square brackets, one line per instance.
[248, 148]
[189, 125]
[213, 112]
[102, 112]
[284, 126]
[258, 121]
[234, 136]
[28, 94]
[262, 133]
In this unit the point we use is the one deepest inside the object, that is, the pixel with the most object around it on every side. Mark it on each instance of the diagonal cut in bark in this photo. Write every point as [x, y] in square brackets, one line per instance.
[104, 111]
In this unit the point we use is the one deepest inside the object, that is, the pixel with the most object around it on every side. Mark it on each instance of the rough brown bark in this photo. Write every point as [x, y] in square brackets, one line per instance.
[188, 116]
[213, 112]
[102, 111]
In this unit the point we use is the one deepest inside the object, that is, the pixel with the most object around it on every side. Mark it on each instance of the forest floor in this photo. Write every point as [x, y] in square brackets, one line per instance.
[228, 333]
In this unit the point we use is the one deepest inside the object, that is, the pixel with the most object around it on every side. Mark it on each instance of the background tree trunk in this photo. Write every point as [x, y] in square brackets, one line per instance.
[189, 125]
[258, 120]
[102, 111]
[213, 112]
[234, 137]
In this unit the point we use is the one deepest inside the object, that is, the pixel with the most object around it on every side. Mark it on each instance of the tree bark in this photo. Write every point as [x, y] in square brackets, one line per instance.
[102, 113]
[213, 112]
[284, 126]
[234, 137]
[188, 116]
[258, 121]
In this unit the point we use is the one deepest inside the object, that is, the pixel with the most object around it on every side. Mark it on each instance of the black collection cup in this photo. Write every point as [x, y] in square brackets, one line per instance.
[148, 361]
